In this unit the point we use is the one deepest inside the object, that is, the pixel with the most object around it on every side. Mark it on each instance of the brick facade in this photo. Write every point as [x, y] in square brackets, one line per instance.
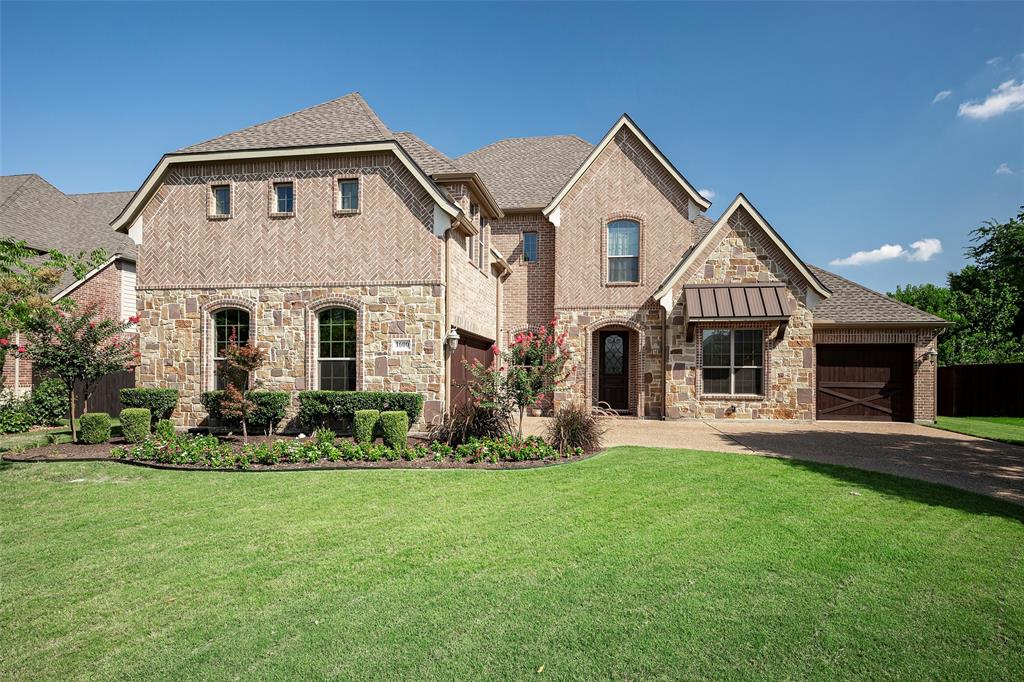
[529, 292]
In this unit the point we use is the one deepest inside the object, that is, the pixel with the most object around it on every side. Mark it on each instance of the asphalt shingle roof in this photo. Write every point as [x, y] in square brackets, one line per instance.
[107, 205]
[34, 211]
[853, 303]
[346, 120]
[429, 159]
[527, 172]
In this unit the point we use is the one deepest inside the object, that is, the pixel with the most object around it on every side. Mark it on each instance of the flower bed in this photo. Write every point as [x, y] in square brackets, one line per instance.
[323, 448]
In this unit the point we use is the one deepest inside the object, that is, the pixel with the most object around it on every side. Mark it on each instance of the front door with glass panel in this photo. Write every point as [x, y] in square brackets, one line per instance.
[613, 370]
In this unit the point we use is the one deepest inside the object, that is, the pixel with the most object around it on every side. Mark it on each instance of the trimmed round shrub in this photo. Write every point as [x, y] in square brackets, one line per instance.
[15, 414]
[165, 430]
[394, 427]
[94, 428]
[363, 425]
[135, 423]
[49, 402]
[159, 401]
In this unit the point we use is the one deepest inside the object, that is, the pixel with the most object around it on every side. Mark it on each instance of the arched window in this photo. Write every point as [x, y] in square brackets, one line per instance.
[624, 251]
[336, 354]
[229, 325]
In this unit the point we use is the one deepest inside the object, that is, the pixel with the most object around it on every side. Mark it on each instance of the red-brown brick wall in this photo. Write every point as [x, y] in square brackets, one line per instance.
[528, 296]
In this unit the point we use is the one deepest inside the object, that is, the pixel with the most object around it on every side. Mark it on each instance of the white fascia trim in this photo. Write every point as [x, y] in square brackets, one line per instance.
[625, 121]
[720, 224]
[154, 177]
[89, 275]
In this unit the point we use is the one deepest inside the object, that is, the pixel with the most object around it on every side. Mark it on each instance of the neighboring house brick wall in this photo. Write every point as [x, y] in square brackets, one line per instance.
[625, 181]
[176, 340]
[925, 369]
[742, 255]
[389, 240]
[529, 292]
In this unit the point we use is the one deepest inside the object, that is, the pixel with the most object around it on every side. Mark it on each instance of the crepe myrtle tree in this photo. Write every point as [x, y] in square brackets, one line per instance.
[533, 367]
[26, 280]
[80, 348]
[240, 363]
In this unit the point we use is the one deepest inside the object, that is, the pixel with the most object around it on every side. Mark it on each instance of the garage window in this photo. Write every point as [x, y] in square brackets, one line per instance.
[733, 361]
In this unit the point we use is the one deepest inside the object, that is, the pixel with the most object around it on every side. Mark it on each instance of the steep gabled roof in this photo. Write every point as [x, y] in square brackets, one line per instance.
[429, 159]
[709, 236]
[346, 120]
[855, 304]
[626, 122]
[526, 172]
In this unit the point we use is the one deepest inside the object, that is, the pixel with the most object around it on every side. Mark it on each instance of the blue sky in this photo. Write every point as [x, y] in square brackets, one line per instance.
[822, 114]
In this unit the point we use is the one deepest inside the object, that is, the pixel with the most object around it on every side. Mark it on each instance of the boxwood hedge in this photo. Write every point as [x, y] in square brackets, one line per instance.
[317, 408]
[270, 408]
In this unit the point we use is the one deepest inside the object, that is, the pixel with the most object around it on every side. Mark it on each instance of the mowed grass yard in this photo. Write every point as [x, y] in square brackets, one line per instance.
[636, 564]
[1005, 429]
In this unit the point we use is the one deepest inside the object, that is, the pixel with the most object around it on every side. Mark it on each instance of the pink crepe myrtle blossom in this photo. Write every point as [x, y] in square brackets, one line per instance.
[22, 349]
[134, 319]
[5, 342]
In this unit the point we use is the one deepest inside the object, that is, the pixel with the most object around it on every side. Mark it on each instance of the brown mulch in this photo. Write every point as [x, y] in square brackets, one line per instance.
[79, 452]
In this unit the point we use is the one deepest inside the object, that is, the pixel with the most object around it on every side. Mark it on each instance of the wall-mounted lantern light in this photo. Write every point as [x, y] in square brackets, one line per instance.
[932, 354]
[452, 339]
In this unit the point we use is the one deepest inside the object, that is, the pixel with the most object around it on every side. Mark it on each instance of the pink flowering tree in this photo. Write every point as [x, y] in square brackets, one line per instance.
[26, 284]
[531, 369]
[80, 348]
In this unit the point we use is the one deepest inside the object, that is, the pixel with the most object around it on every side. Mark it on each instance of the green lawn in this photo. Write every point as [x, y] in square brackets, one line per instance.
[1005, 429]
[15, 442]
[635, 564]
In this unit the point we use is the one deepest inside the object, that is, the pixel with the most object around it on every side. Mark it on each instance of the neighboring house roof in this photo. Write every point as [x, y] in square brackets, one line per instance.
[429, 159]
[34, 211]
[854, 304]
[345, 120]
[708, 237]
[626, 122]
[104, 204]
[527, 172]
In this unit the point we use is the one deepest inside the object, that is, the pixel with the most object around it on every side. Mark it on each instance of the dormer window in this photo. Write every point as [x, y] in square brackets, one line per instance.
[624, 251]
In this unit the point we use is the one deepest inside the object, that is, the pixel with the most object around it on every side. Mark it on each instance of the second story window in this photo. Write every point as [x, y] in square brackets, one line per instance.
[221, 200]
[529, 247]
[284, 197]
[348, 195]
[624, 251]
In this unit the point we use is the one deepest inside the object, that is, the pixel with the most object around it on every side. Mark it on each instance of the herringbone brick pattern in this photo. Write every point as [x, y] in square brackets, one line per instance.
[388, 241]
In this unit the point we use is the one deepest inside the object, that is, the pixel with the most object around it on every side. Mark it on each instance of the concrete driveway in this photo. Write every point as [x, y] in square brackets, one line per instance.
[910, 450]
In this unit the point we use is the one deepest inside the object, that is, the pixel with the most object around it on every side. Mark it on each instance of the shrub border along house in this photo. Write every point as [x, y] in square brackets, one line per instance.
[317, 408]
[161, 402]
[271, 407]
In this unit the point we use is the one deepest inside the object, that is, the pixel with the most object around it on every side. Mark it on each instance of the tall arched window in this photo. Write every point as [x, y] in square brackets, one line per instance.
[336, 353]
[229, 325]
[624, 251]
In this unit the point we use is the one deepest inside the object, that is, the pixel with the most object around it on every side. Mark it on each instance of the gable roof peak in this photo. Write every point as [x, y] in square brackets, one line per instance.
[625, 121]
[345, 120]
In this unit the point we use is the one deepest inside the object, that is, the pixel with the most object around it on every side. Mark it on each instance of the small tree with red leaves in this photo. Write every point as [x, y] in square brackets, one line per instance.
[80, 349]
[240, 362]
[532, 368]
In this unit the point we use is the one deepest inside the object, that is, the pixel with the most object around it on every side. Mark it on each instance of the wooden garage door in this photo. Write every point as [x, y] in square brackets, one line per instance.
[470, 348]
[869, 382]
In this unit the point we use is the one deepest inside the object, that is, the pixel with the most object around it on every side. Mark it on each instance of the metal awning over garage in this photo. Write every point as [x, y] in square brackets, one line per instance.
[735, 303]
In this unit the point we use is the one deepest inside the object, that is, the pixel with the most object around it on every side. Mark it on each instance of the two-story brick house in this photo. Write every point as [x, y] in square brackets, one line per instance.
[359, 258]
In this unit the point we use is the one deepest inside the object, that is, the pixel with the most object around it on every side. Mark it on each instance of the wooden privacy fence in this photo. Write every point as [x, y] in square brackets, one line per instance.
[107, 395]
[981, 390]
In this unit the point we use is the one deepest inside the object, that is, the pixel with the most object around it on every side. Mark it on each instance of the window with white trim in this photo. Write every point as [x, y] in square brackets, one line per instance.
[220, 200]
[624, 251]
[336, 351]
[284, 197]
[348, 195]
[733, 361]
[230, 326]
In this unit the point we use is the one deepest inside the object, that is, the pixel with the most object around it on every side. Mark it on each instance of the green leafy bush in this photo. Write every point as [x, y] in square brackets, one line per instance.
[135, 423]
[575, 425]
[270, 408]
[317, 408]
[364, 425]
[15, 414]
[49, 402]
[394, 428]
[164, 429]
[95, 427]
[186, 450]
[159, 401]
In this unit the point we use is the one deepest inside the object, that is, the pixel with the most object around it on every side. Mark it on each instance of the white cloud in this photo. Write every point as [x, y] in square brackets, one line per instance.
[1003, 170]
[924, 249]
[941, 95]
[1009, 96]
[883, 252]
[920, 251]
[994, 61]
[708, 194]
